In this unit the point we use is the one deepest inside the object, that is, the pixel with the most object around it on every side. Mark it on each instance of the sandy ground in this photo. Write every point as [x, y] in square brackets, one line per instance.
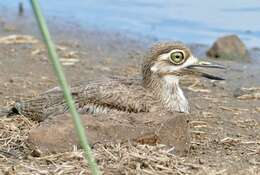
[225, 130]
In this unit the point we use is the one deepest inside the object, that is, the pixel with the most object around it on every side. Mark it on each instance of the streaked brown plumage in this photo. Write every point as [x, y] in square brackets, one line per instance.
[157, 89]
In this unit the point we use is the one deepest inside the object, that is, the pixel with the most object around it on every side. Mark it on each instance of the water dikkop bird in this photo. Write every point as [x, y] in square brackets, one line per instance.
[158, 89]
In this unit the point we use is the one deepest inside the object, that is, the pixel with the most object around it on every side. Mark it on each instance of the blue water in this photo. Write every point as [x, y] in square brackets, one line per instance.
[197, 21]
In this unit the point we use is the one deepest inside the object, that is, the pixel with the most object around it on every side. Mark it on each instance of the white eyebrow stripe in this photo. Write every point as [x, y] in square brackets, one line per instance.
[177, 50]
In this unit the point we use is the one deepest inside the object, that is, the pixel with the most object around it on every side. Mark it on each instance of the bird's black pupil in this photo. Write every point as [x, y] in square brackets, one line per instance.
[177, 57]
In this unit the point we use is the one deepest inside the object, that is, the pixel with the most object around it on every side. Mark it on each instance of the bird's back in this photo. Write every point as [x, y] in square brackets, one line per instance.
[115, 94]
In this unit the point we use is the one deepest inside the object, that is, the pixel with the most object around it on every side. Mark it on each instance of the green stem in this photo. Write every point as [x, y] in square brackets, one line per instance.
[53, 56]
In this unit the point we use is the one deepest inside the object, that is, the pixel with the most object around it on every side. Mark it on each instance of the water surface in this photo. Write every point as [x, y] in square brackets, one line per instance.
[197, 21]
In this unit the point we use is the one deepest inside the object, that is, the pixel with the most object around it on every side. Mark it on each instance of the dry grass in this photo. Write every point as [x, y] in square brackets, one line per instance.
[128, 158]
[17, 158]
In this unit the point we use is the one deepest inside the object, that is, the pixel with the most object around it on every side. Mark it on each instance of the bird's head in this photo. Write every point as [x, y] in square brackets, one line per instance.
[174, 60]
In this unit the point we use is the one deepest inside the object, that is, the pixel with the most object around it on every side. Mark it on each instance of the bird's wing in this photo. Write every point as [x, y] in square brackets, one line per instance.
[115, 93]
[119, 94]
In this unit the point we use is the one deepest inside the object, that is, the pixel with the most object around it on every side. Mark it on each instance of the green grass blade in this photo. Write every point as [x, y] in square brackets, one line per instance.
[53, 56]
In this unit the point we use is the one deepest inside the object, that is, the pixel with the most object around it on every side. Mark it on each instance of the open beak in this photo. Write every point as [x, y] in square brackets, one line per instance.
[194, 69]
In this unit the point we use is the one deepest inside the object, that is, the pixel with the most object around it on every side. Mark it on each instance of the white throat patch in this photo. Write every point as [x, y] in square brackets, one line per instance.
[172, 95]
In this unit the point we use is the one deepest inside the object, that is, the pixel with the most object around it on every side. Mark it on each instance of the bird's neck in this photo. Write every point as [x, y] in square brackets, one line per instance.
[168, 90]
[172, 95]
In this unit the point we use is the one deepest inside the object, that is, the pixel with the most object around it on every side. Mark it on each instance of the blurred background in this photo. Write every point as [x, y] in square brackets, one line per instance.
[197, 21]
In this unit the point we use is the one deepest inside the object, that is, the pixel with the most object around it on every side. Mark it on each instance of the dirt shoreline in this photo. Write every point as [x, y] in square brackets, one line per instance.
[224, 129]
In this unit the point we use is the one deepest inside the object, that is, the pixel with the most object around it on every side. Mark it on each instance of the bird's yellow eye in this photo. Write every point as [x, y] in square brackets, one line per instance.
[177, 58]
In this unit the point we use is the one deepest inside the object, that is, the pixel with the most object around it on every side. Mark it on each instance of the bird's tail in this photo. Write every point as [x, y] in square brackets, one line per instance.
[6, 111]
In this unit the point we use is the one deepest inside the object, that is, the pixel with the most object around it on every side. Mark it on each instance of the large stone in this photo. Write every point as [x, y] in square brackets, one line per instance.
[58, 134]
[228, 47]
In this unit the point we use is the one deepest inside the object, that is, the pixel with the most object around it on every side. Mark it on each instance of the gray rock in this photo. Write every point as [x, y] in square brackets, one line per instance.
[228, 47]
